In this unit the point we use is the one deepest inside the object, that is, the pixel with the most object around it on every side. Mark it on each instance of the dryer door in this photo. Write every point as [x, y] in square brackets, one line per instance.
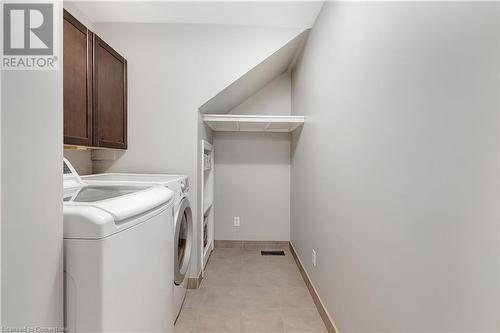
[183, 240]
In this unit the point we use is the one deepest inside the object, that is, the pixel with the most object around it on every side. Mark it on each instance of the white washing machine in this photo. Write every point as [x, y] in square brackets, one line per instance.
[183, 220]
[117, 255]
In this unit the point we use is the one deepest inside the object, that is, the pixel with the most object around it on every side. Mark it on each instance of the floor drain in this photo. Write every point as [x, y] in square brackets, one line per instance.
[272, 253]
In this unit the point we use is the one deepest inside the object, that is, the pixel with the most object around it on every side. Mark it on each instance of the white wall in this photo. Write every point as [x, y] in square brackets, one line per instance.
[32, 226]
[395, 173]
[172, 70]
[272, 99]
[252, 181]
[252, 172]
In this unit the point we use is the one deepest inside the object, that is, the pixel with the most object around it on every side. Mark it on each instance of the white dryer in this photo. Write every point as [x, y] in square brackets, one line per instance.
[183, 220]
[117, 256]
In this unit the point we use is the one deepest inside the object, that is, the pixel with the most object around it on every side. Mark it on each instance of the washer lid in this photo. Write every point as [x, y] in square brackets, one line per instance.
[94, 193]
[133, 178]
[177, 183]
[99, 210]
[94, 212]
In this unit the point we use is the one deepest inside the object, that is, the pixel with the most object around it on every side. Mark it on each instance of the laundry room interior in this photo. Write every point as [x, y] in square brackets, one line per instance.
[252, 166]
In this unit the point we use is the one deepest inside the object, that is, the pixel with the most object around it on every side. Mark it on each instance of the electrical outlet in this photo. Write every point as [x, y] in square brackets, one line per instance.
[236, 221]
[314, 257]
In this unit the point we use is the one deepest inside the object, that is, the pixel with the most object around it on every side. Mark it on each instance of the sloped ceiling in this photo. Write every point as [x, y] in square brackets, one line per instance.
[255, 79]
[273, 99]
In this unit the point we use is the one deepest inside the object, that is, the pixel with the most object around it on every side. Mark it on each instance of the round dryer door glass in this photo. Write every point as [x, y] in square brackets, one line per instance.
[183, 240]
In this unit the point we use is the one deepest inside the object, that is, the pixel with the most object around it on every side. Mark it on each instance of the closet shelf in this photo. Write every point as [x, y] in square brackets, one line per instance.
[252, 123]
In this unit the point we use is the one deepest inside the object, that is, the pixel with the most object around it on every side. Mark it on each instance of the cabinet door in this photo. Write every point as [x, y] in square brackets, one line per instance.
[110, 97]
[77, 91]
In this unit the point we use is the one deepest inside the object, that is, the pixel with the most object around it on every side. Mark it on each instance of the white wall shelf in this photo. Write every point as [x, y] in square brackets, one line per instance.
[252, 123]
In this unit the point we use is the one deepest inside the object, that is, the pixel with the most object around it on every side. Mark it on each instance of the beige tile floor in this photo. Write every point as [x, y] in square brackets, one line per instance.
[245, 292]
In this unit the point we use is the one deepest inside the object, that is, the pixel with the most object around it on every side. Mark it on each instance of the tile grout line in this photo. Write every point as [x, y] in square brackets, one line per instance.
[291, 260]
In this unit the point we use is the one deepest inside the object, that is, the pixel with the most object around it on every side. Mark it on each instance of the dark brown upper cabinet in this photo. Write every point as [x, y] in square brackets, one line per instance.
[95, 89]
[77, 76]
[110, 96]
